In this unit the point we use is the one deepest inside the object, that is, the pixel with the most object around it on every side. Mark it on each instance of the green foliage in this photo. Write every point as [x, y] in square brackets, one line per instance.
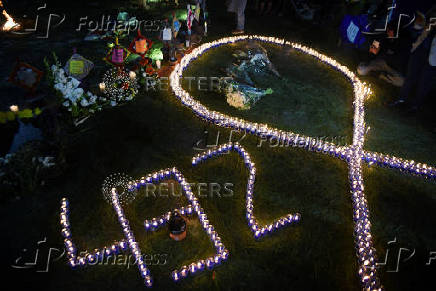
[155, 52]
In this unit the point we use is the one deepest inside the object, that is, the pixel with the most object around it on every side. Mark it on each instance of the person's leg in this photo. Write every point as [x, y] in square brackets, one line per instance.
[412, 77]
[241, 15]
[426, 82]
[262, 6]
[269, 7]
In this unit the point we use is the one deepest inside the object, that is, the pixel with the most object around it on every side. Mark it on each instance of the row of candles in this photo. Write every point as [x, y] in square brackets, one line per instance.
[193, 208]
[158, 222]
[130, 238]
[288, 137]
[89, 257]
[353, 154]
[258, 230]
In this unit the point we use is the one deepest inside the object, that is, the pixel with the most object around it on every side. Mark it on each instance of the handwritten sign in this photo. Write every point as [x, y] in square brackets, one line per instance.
[166, 35]
[76, 67]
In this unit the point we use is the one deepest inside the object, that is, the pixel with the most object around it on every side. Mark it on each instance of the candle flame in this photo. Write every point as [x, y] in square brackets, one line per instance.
[10, 23]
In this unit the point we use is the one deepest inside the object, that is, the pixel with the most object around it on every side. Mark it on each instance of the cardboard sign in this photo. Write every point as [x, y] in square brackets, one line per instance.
[141, 46]
[118, 55]
[76, 67]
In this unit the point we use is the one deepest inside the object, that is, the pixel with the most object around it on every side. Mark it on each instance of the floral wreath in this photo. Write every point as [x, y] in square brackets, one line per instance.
[120, 85]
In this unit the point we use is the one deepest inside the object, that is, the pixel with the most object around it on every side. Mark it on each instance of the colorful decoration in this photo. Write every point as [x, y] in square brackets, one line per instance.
[78, 67]
[155, 53]
[155, 223]
[140, 46]
[122, 16]
[189, 18]
[119, 86]
[25, 76]
[117, 54]
[175, 25]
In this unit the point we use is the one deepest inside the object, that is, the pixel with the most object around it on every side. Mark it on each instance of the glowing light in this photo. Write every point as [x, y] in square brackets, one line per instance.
[14, 108]
[10, 24]
[102, 86]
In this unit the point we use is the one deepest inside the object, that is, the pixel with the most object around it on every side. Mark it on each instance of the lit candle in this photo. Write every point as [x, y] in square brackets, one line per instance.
[14, 108]
[158, 64]
[102, 87]
[132, 75]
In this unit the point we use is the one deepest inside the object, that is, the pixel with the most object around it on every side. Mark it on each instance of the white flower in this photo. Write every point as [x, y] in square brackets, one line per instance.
[113, 103]
[59, 86]
[69, 85]
[236, 99]
[77, 93]
[84, 102]
[93, 99]
[66, 103]
[75, 82]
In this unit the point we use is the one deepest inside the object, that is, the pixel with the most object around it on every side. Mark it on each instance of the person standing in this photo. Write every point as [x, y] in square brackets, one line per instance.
[421, 72]
[238, 7]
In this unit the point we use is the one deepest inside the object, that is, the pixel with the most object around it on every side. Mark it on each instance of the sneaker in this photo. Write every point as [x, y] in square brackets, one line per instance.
[237, 31]
[397, 102]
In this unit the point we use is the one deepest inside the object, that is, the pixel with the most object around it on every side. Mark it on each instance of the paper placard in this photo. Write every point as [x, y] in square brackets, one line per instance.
[352, 32]
[141, 46]
[118, 55]
[166, 35]
[76, 67]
